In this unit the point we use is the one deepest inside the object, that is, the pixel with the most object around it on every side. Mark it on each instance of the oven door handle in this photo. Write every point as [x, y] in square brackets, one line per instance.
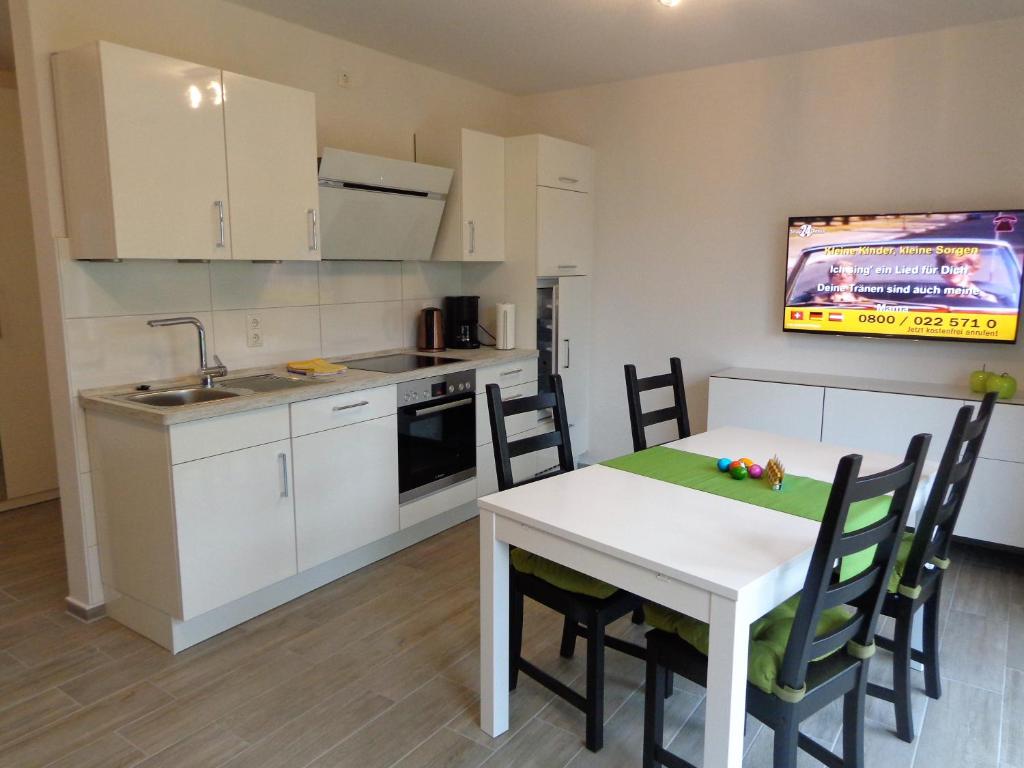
[443, 407]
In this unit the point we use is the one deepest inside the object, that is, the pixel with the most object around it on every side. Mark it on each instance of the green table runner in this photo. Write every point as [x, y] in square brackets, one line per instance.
[801, 496]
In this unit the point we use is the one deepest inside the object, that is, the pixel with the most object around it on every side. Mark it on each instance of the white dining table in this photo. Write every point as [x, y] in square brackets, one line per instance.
[719, 560]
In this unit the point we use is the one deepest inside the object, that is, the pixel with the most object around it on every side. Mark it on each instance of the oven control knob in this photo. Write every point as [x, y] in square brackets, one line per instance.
[451, 387]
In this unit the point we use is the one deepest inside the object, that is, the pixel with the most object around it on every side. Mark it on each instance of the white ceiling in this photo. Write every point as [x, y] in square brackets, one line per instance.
[530, 46]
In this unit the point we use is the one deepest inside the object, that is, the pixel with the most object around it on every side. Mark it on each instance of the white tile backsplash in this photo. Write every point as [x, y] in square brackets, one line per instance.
[244, 284]
[348, 329]
[332, 309]
[289, 333]
[424, 280]
[107, 289]
[103, 351]
[344, 282]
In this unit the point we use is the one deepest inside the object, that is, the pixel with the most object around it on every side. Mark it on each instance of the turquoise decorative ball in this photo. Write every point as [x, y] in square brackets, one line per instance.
[723, 465]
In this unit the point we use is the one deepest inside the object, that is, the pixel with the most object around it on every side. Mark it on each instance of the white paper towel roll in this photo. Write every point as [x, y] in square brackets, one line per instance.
[505, 335]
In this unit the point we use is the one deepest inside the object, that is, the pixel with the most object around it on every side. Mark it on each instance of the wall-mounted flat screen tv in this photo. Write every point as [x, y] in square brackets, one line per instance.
[950, 276]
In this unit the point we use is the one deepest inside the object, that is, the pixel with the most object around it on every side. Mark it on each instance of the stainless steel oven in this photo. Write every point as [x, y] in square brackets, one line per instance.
[436, 434]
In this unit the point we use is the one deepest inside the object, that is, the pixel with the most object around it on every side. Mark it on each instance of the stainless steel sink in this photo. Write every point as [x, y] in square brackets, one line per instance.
[221, 390]
[169, 398]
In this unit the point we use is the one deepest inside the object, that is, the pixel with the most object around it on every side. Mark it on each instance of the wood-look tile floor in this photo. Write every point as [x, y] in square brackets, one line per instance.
[380, 669]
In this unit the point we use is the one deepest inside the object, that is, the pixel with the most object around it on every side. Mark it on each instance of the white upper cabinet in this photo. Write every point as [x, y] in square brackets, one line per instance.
[550, 210]
[147, 158]
[564, 165]
[565, 232]
[473, 224]
[142, 152]
[270, 135]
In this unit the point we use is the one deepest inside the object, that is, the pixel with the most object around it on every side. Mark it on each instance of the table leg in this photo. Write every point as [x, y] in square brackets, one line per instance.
[727, 685]
[493, 628]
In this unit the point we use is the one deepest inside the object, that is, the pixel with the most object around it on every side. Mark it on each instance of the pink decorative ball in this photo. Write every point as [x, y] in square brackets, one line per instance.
[755, 471]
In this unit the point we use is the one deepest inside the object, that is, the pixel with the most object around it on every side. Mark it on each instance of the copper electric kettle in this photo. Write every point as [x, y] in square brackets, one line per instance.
[431, 332]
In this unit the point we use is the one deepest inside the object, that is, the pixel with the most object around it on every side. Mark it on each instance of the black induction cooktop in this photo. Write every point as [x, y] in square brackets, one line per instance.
[398, 363]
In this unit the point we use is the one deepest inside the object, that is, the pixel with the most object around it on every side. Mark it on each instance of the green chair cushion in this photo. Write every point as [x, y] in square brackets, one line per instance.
[769, 635]
[560, 576]
[901, 561]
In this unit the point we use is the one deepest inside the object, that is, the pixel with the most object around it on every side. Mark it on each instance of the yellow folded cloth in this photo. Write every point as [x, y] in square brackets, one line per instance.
[315, 367]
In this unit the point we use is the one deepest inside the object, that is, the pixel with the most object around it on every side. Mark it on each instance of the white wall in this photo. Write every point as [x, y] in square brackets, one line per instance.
[698, 171]
[97, 334]
[26, 435]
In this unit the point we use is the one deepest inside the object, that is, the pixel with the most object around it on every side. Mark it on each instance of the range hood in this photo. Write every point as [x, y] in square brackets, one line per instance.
[379, 209]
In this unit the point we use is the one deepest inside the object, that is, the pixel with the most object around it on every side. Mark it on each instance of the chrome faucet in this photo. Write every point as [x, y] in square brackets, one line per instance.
[206, 372]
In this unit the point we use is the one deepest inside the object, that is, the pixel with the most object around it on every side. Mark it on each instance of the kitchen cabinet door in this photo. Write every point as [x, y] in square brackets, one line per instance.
[991, 510]
[482, 176]
[786, 409]
[236, 525]
[565, 232]
[572, 356]
[142, 155]
[564, 165]
[883, 421]
[523, 467]
[270, 134]
[346, 489]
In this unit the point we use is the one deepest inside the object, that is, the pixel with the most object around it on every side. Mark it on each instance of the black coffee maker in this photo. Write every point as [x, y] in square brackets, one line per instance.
[461, 319]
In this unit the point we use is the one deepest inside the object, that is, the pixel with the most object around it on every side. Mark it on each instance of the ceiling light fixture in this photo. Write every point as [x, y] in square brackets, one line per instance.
[670, 3]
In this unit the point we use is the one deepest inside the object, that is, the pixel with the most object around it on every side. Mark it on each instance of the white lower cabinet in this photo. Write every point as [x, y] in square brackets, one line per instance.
[992, 508]
[844, 413]
[346, 489]
[235, 525]
[786, 409]
[523, 467]
[886, 422]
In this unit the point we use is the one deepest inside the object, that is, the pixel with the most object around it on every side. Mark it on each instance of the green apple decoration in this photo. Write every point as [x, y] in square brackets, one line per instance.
[1003, 384]
[979, 380]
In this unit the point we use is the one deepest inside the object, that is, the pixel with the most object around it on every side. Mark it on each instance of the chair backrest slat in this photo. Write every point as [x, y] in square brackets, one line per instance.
[865, 591]
[678, 411]
[534, 444]
[938, 520]
[506, 450]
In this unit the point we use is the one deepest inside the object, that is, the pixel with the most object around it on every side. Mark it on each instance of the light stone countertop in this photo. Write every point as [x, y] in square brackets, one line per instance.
[111, 399]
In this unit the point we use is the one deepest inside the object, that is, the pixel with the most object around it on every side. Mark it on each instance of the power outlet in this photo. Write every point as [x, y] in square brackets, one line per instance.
[253, 331]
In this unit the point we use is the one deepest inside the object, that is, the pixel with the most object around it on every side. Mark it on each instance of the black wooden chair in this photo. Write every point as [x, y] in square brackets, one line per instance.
[677, 412]
[587, 604]
[826, 651]
[921, 565]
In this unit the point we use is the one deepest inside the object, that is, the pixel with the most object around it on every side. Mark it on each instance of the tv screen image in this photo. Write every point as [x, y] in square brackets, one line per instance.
[952, 276]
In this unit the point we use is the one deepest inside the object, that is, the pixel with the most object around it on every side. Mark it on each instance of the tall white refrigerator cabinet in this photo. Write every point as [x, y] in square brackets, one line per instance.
[563, 342]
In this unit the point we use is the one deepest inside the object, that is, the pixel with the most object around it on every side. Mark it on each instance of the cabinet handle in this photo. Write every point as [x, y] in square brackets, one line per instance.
[472, 236]
[566, 354]
[509, 373]
[568, 180]
[360, 404]
[315, 230]
[284, 474]
[222, 232]
[568, 266]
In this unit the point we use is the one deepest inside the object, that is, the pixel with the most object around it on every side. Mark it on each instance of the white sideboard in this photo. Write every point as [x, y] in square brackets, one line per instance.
[878, 415]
